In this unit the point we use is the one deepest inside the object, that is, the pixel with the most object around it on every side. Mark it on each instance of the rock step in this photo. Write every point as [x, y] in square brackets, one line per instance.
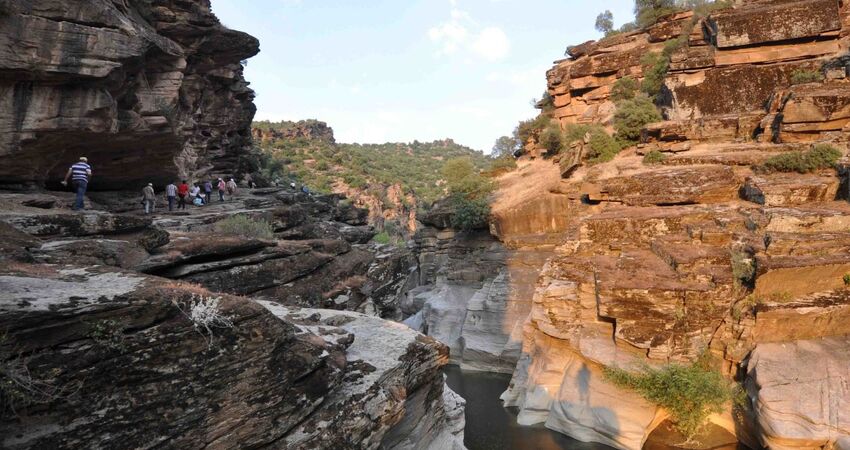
[670, 186]
[787, 189]
[807, 244]
[746, 154]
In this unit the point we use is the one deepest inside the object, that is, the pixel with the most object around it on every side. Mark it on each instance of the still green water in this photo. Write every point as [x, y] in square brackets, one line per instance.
[490, 426]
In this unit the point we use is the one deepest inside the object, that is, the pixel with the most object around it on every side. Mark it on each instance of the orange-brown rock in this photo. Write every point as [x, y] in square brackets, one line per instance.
[671, 186]
[791, 189]
[781, 21]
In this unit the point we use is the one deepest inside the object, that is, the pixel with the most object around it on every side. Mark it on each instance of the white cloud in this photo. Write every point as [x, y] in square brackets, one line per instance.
[491, 44]
[462, 33]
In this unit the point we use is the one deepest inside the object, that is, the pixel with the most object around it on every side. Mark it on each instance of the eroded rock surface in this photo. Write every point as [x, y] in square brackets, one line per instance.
[147, 90]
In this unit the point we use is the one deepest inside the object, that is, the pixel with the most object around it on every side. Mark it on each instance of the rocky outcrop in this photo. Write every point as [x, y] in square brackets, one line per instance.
[102, 358]
[703, 252]
[148, 91]
[303, 129]
[109, 295]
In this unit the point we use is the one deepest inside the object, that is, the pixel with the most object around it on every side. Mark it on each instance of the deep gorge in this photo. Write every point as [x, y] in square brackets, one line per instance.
[123, 330]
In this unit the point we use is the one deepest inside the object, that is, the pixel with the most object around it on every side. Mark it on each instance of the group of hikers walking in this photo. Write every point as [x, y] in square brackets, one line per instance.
[199, 194]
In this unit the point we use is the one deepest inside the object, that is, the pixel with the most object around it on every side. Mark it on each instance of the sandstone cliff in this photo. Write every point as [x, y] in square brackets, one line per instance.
[652, 263]
[648, 264]
[148, 90]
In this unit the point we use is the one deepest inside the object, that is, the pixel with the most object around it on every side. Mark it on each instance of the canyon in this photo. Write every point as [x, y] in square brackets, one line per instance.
[123, 331]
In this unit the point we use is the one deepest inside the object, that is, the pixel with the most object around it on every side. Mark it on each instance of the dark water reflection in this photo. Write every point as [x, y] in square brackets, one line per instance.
[490, 426]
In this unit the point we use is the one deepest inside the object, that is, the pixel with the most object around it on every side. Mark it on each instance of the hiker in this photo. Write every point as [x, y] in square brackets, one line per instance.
[222, 188]
[80, 174]
[231, 188]
[182, 192]
[171, 195]
[208, 188]
[195, 195]
[292, 186]
[148, 198]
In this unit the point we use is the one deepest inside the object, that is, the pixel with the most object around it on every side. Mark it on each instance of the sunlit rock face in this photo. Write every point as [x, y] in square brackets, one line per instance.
[147, 90]
[637, 264]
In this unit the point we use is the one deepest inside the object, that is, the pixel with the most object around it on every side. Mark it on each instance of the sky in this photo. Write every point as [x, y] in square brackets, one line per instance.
[402, 70]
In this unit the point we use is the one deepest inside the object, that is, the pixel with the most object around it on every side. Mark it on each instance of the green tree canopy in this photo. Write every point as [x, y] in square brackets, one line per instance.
[605, 22]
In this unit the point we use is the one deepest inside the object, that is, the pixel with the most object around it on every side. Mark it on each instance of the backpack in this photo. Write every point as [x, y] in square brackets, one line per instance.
[198, 201]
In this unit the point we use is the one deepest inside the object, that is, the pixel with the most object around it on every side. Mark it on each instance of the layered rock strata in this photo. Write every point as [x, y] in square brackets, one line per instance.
[657, 264]
[149, 91]
[104, 314]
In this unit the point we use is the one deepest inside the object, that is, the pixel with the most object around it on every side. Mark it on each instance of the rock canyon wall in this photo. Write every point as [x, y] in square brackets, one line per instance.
[150, 89]
[119, 330]
[650, 264]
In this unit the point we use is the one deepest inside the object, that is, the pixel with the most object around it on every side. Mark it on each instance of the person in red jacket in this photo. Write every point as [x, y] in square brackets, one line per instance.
[182, 192]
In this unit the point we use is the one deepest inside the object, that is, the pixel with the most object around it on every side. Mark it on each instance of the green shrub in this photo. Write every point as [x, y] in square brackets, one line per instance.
[552, 138]
[743, 268]
[632, 116]
[806, 76]
[462, 178]
[469, 213]
[647, 12]
[655, 66]
[821, 156]
[576, 132]
[242, 225]
[382, 238]
[502, 164]
[624, 89]
[689, 393]
[654, 157]
[601, 146]
[530, 129]
[846, 279]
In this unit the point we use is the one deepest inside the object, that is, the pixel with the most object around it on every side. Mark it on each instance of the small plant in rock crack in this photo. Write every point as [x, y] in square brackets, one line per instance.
[205, 315]
[109, 334]
[846, 280]
[743, 267]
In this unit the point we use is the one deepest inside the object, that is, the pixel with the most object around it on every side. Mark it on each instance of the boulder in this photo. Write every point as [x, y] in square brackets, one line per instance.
[799, 390]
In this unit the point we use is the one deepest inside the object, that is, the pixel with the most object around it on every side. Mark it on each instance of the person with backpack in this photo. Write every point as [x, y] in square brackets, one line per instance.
[208, 187]
[171, 195]
[149, 198]
[79, 174]
[222, 188]
[182, 192]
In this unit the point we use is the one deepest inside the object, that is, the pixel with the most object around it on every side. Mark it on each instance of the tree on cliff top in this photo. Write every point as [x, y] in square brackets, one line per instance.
[647, 12]
[505, 146]
[605, 22]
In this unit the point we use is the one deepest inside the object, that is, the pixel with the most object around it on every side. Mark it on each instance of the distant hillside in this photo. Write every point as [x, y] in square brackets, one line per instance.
[392, 179]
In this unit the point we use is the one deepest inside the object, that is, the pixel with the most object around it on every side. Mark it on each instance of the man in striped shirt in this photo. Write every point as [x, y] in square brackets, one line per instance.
[79, 174]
